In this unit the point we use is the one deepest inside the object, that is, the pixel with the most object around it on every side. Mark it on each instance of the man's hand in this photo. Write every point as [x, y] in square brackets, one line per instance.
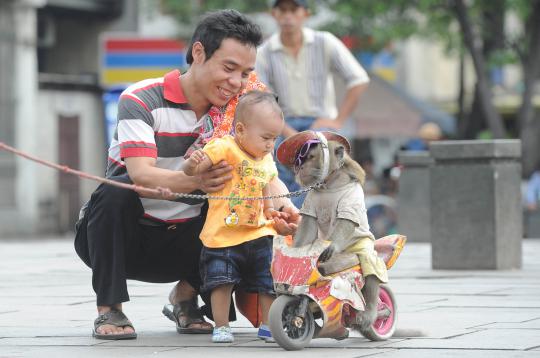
[326, 123]
[214, 179]
[287, 222]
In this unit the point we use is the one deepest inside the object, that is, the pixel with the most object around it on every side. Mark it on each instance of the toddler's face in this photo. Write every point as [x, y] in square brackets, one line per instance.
[261, 130]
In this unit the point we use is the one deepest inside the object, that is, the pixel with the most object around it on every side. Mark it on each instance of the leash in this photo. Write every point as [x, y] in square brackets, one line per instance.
[161, 192]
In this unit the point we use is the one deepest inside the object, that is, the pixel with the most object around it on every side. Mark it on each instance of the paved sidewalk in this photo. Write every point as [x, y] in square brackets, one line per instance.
[47, 309]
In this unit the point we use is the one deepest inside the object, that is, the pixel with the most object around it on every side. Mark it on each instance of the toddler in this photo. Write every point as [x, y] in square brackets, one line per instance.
[237, 235]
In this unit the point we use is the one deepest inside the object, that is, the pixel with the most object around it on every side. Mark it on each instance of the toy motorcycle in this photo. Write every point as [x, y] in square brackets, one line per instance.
[319, 300]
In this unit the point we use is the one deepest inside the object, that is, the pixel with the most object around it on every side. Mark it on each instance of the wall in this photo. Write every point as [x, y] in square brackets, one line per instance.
[30, 106]
[428, 73]
[87, 106]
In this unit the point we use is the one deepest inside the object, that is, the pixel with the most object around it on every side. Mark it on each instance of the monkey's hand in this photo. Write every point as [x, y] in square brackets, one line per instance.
[327, 253]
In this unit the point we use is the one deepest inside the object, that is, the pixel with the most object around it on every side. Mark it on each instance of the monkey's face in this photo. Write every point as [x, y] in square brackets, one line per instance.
[310, 169]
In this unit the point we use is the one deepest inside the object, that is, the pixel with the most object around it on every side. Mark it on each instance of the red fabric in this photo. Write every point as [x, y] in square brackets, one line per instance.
[116, 162]
[173, 90]
[248, 305]
[169, 134]
[136, 45]
[286, 152]
[137, 152]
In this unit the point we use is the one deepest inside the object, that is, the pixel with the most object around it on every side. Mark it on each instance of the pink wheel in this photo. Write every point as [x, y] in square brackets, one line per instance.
[385, 325]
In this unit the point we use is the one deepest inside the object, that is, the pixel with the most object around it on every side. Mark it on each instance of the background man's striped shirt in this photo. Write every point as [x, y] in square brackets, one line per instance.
[304, 84]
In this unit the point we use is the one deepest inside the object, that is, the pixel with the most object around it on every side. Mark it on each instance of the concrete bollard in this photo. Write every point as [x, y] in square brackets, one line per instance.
[413, 211]
[476, 214]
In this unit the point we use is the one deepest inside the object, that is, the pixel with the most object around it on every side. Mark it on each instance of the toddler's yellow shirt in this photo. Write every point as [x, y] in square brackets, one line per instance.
[232, 222]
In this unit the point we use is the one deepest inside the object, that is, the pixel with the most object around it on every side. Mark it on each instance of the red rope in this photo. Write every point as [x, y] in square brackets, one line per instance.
[64, 168]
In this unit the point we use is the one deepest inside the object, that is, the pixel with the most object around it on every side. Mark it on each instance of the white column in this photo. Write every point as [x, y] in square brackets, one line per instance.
[25, 87]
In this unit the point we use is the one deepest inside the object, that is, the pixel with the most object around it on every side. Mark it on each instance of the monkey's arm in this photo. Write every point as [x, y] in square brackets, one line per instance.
[341, 236]
[307, 231]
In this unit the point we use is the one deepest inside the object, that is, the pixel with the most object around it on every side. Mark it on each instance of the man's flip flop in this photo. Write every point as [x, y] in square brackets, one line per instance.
[115, 318]
[184, 314]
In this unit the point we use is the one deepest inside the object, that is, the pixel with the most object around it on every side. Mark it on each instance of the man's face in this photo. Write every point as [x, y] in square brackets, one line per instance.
[225, 74]
[289, 16]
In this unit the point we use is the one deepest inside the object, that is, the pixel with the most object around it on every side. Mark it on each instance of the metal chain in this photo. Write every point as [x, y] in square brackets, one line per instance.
[216, 197]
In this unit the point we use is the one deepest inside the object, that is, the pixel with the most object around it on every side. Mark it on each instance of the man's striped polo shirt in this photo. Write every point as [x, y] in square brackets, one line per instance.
[155, 120]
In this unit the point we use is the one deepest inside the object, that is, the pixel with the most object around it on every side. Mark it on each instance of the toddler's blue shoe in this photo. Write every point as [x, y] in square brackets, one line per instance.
[222, 335]
[265, 334]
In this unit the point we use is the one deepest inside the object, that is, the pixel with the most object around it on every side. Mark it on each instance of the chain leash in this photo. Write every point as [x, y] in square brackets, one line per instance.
[218, 197]
[163, 192]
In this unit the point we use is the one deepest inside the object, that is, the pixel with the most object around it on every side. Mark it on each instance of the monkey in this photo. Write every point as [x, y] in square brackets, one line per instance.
[336, 211]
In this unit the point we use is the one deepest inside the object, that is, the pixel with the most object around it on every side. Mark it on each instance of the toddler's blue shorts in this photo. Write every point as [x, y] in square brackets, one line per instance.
[246, 265]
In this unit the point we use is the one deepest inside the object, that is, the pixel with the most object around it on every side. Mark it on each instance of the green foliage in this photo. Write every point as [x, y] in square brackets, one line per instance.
[189, 11]
[387, 21]
[376, 23]
[383, 22]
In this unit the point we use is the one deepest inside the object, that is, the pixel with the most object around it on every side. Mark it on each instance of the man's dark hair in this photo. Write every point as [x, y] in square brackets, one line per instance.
[220, 25]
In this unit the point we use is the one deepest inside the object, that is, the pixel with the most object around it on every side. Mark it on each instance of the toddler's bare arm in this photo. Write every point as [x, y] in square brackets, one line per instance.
[268, 204]
[196, 163]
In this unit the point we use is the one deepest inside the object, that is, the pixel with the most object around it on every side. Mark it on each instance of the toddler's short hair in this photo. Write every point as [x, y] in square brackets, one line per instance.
[252, 98]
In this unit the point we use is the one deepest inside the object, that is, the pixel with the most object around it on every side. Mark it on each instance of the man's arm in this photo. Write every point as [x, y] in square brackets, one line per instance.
[356, 80]
[345, 109]
[143, 172]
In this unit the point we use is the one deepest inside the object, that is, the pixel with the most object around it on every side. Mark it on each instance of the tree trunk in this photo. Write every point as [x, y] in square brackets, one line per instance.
[462, 123]
[529, 123]
[493, 118]
[475, 119]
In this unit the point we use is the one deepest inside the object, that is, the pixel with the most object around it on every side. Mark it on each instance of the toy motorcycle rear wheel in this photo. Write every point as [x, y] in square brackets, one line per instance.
[385, 325]
[281, 320]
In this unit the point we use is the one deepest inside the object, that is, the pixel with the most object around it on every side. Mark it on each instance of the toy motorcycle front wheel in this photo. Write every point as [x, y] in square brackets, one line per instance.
[289, 330]
[385, 325]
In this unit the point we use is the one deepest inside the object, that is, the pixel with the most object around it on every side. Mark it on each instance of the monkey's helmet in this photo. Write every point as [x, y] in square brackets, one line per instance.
[295, 148]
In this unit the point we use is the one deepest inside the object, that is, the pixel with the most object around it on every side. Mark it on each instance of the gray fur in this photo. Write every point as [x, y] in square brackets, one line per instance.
[342, 171]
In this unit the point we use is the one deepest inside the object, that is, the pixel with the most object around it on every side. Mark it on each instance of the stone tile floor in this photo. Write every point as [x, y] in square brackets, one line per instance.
[47, 309]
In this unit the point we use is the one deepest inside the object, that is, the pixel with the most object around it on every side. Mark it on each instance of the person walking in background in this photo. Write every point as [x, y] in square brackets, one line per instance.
[298, 64]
